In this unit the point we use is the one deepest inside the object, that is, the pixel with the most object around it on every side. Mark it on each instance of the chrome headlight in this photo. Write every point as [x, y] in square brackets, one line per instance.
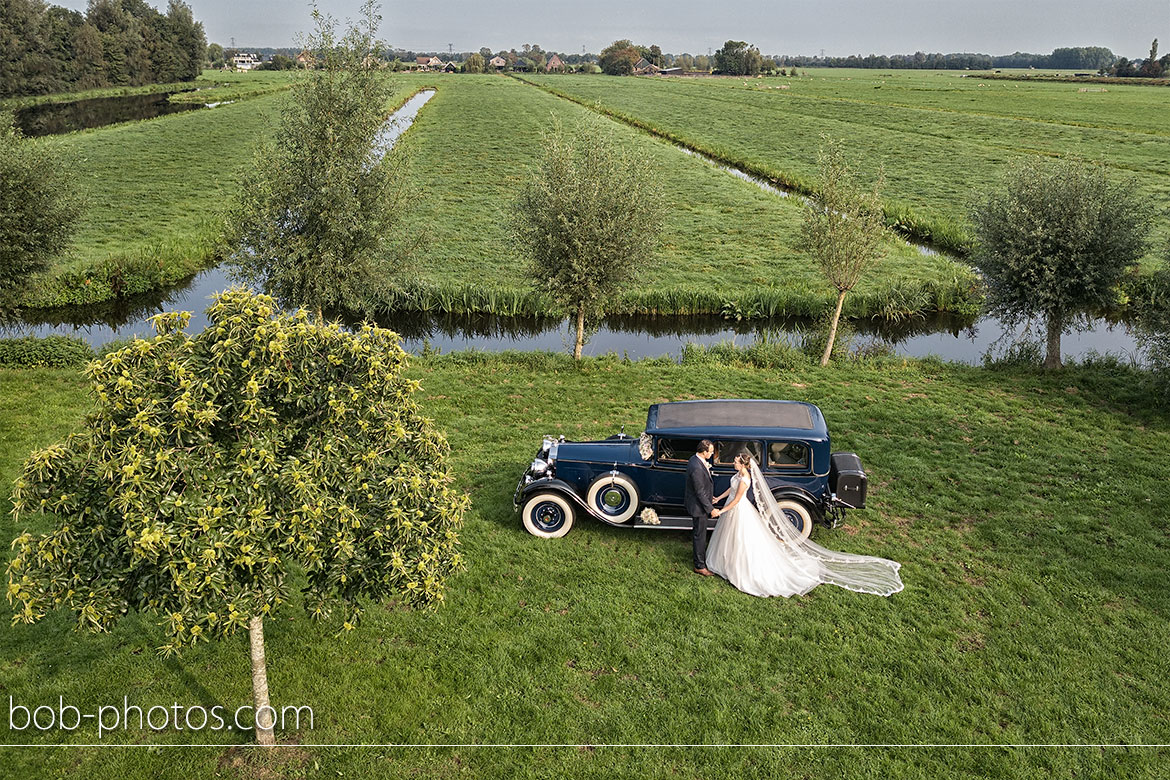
[538, 468]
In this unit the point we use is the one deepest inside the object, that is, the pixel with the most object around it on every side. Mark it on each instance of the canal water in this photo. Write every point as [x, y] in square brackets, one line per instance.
[57, 118]
[635, 336]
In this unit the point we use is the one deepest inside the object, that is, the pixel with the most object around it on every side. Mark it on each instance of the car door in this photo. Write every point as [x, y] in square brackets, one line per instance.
[668, 482]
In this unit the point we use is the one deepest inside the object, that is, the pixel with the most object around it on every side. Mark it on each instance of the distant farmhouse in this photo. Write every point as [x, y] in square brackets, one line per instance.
[555, 64]
[646, 68]
[245, 61]
[499, 63]
[429, 63]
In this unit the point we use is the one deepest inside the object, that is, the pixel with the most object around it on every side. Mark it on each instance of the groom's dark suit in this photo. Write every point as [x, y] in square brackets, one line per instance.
[699, 502]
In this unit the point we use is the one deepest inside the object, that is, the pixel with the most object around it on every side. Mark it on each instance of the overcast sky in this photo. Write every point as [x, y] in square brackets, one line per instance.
[840, 27]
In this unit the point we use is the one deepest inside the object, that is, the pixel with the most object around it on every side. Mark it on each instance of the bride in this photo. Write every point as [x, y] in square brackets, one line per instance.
[759, 551]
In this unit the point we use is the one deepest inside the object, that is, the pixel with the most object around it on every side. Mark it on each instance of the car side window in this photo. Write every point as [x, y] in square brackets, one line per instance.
[677, 450]
[725, 451]
[787, 455]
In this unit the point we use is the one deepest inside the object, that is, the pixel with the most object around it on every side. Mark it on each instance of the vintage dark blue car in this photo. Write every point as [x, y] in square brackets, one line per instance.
[638, 482]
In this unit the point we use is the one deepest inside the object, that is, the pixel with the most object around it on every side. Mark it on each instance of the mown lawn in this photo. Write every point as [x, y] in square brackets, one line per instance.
[474, 144]
[941, 137]
[1026, 509]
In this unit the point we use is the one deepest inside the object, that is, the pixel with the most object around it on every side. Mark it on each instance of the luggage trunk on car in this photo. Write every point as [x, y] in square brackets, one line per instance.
[847, 479]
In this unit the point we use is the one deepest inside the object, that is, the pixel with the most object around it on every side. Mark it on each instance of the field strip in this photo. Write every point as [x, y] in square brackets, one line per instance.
[939, 109]
[891, 125]
[743, 170]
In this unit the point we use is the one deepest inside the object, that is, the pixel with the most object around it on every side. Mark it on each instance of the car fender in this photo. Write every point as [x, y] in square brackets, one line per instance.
[800, 494]
[553, 484]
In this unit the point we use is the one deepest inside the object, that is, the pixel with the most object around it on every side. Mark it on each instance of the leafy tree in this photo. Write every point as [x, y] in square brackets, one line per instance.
[1054, 241]
[738, 58]
[216, 466]
[279, 62]
[588, 218]
[843, 228]
[39, 205]
[314, 219]
[1124, 68]
[1077, 58]
[475, 64]
[185, 40]
[46, 48]
[1152, 68]
[619, 58]
[653, 55]
[214, 55]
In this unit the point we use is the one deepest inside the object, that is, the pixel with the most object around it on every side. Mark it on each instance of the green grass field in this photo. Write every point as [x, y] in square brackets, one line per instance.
[157, 186]
[724, 239]
[942, 137]
[154, 189]
[1026, 509]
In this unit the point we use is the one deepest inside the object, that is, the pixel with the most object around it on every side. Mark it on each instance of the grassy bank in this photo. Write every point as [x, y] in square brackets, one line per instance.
[725, 241]
[1026, 509]
[211, 86]
[941, 138]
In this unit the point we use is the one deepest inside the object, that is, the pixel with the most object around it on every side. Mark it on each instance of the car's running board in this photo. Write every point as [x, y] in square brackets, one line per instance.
[666, 523]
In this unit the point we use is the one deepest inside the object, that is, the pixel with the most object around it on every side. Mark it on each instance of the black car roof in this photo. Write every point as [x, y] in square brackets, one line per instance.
[737, 417]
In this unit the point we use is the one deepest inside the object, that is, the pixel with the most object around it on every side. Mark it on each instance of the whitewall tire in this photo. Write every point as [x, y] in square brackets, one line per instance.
[613, 497]
[798, 514]
[547, 515]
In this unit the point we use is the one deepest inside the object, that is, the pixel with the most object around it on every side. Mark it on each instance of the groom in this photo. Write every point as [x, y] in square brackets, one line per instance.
[699, 503]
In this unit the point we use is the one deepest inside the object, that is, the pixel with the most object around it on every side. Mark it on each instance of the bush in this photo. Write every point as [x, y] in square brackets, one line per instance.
[775, 355]
[39, 206]
[47, 352]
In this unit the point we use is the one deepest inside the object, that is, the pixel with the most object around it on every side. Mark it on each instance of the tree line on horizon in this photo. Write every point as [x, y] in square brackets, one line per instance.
[47, 48]
[740, 58]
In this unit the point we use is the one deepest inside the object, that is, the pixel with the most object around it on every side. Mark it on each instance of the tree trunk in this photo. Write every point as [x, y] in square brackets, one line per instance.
[833, 329]
[265, 715]
[580, 332]
[1055, 328]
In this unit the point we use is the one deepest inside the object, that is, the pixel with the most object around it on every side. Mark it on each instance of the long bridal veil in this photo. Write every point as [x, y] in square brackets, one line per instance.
[861, 573]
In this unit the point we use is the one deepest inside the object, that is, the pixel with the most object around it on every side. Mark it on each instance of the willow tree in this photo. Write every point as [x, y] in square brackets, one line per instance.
[319, 208]
[588, 218]
[843, 228]
[216, 466]
[1054, 240]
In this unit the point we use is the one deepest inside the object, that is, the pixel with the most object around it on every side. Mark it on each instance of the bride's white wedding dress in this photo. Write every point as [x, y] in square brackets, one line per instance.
[761, 553]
